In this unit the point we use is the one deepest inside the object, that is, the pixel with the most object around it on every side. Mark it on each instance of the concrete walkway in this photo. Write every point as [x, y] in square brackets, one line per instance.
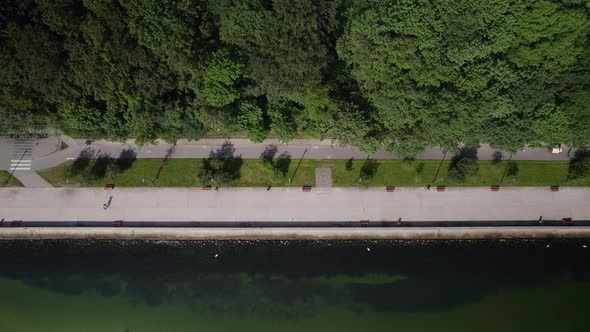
[291, 204]
[31, 179]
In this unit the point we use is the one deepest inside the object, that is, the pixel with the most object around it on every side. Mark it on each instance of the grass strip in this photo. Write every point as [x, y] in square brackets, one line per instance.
[6, 180]
[345, 173]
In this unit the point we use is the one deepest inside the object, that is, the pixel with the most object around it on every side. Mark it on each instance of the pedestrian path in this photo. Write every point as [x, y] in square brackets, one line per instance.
[22, 150]
[31, 179]
[293, 204]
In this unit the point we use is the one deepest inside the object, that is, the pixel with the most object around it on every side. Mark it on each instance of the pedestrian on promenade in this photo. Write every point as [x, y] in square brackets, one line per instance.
[107, 204]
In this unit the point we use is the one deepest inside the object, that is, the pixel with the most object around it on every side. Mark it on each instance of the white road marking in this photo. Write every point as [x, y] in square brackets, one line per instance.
[22, 161]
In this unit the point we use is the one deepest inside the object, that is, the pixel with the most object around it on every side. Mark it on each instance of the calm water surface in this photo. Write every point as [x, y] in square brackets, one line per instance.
[294, 286]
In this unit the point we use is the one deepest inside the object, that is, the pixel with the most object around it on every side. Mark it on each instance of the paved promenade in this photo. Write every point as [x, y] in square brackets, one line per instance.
[290, 204]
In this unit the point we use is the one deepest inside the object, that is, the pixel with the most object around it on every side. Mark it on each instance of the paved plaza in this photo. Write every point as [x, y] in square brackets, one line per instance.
[291, 204]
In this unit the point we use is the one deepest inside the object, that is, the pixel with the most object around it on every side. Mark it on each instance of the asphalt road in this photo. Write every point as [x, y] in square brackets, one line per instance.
[293, 205]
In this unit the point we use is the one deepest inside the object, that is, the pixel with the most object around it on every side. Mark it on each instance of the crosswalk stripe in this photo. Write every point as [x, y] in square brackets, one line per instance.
[20, 169]
[22, 161]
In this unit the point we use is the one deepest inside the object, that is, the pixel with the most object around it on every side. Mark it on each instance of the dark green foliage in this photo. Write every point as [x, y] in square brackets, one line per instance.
[221, 167]
[462, 168]
[348, 165]
[445, 72]
[401, 75]
[579, 165]
[512, 169]
[251, 120]
[276, 168]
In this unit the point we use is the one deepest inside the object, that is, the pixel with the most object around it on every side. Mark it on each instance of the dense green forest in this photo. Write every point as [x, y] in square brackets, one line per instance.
[399, 75]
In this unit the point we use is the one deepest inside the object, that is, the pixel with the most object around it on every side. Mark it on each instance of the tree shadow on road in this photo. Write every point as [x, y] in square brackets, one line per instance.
[497, 157]
[269, 153]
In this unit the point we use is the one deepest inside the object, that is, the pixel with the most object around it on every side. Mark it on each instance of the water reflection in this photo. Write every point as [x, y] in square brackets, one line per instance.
[290, 280]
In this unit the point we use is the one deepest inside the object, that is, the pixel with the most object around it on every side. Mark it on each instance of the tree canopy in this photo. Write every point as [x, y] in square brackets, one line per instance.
[401, 75]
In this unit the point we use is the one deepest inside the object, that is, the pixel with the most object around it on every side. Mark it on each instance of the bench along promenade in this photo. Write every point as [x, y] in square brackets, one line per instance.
[291, 213]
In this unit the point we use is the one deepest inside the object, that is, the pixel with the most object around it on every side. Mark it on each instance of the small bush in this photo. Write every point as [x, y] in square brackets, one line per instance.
[368, 170]
[512, 169]
[579, 167]
[462, 168]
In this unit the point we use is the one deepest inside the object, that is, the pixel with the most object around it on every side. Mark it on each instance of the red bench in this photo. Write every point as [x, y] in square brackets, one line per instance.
[390, 189]
[441, 188]
[306, 188]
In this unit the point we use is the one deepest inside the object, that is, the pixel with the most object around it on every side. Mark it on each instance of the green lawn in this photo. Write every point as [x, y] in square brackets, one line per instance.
[12, 181]
[182, 173]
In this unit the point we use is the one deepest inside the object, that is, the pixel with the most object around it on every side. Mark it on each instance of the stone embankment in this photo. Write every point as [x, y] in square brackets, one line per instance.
[422, 233]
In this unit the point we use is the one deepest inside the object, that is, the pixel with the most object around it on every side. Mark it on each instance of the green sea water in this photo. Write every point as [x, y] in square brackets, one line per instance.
[294, 286]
